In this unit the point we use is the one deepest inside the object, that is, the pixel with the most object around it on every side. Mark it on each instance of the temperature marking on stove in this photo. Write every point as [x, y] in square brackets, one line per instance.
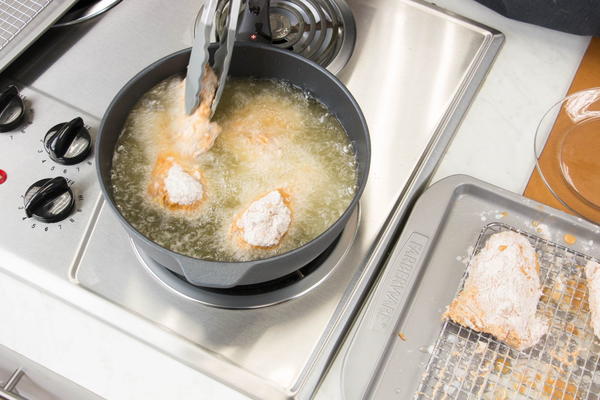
[19, 132]
[45, 226]
[29, 115]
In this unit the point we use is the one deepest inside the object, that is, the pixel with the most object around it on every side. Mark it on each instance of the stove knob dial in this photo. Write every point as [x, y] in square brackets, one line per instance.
[12, 109]
[68, 143]
[49, 200]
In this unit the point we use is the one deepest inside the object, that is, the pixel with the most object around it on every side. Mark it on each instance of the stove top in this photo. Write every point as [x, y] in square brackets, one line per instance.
[413, 87]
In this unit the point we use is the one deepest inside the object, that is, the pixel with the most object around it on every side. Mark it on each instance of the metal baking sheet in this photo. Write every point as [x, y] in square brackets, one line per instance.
[402, 349]
[23, 21]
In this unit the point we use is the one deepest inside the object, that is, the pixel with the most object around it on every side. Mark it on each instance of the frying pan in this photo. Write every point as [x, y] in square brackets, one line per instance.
[250, 59]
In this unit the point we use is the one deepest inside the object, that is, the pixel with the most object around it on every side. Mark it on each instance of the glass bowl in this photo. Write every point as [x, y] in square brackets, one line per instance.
[568, 160]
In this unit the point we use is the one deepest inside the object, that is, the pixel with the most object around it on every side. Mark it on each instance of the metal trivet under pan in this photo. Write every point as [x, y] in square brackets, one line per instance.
[264, 294]
[564, 364]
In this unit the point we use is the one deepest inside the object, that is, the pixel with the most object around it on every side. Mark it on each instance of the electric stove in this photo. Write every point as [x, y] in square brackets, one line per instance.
[412, 67]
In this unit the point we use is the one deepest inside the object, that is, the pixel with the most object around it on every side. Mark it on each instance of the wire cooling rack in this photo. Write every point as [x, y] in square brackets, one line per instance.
[564, 364]
[16, 15]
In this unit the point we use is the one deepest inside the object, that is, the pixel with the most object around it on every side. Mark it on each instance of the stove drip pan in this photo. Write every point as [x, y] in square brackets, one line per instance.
[261, 294]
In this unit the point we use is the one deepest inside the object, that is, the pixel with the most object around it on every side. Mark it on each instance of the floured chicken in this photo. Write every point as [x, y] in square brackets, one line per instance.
[265, 222]
[194, 134]
[174, 186]
[175, 183]
[501, 292]
[592, 274]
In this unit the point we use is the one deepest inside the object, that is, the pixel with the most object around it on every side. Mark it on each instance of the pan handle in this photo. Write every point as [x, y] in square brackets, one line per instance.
[255, 25]
[213, 275]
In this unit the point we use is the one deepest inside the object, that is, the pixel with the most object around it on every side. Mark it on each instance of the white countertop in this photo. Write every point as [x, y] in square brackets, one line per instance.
[494, 143]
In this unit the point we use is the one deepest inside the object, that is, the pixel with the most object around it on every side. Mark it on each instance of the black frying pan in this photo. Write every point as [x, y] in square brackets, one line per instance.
[249, 60]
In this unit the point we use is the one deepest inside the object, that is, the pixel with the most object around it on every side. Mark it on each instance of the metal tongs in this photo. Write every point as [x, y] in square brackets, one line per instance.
[200, 55]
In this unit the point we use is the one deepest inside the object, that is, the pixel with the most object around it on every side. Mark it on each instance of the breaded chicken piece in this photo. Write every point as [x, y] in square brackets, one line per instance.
[176, 186]
[265, 222]
[196, 134]
[175, 183]
[592, 274]
[501, 292]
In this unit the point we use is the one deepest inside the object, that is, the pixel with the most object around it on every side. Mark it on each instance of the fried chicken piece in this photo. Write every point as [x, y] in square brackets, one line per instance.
[265, 222]
[176, 186]
[501, 292]
[592, 274]
[195, 134]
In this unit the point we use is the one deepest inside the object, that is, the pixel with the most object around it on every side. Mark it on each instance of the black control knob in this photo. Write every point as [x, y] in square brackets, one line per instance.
[68, 143]
[49, 200]
[12, 109]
